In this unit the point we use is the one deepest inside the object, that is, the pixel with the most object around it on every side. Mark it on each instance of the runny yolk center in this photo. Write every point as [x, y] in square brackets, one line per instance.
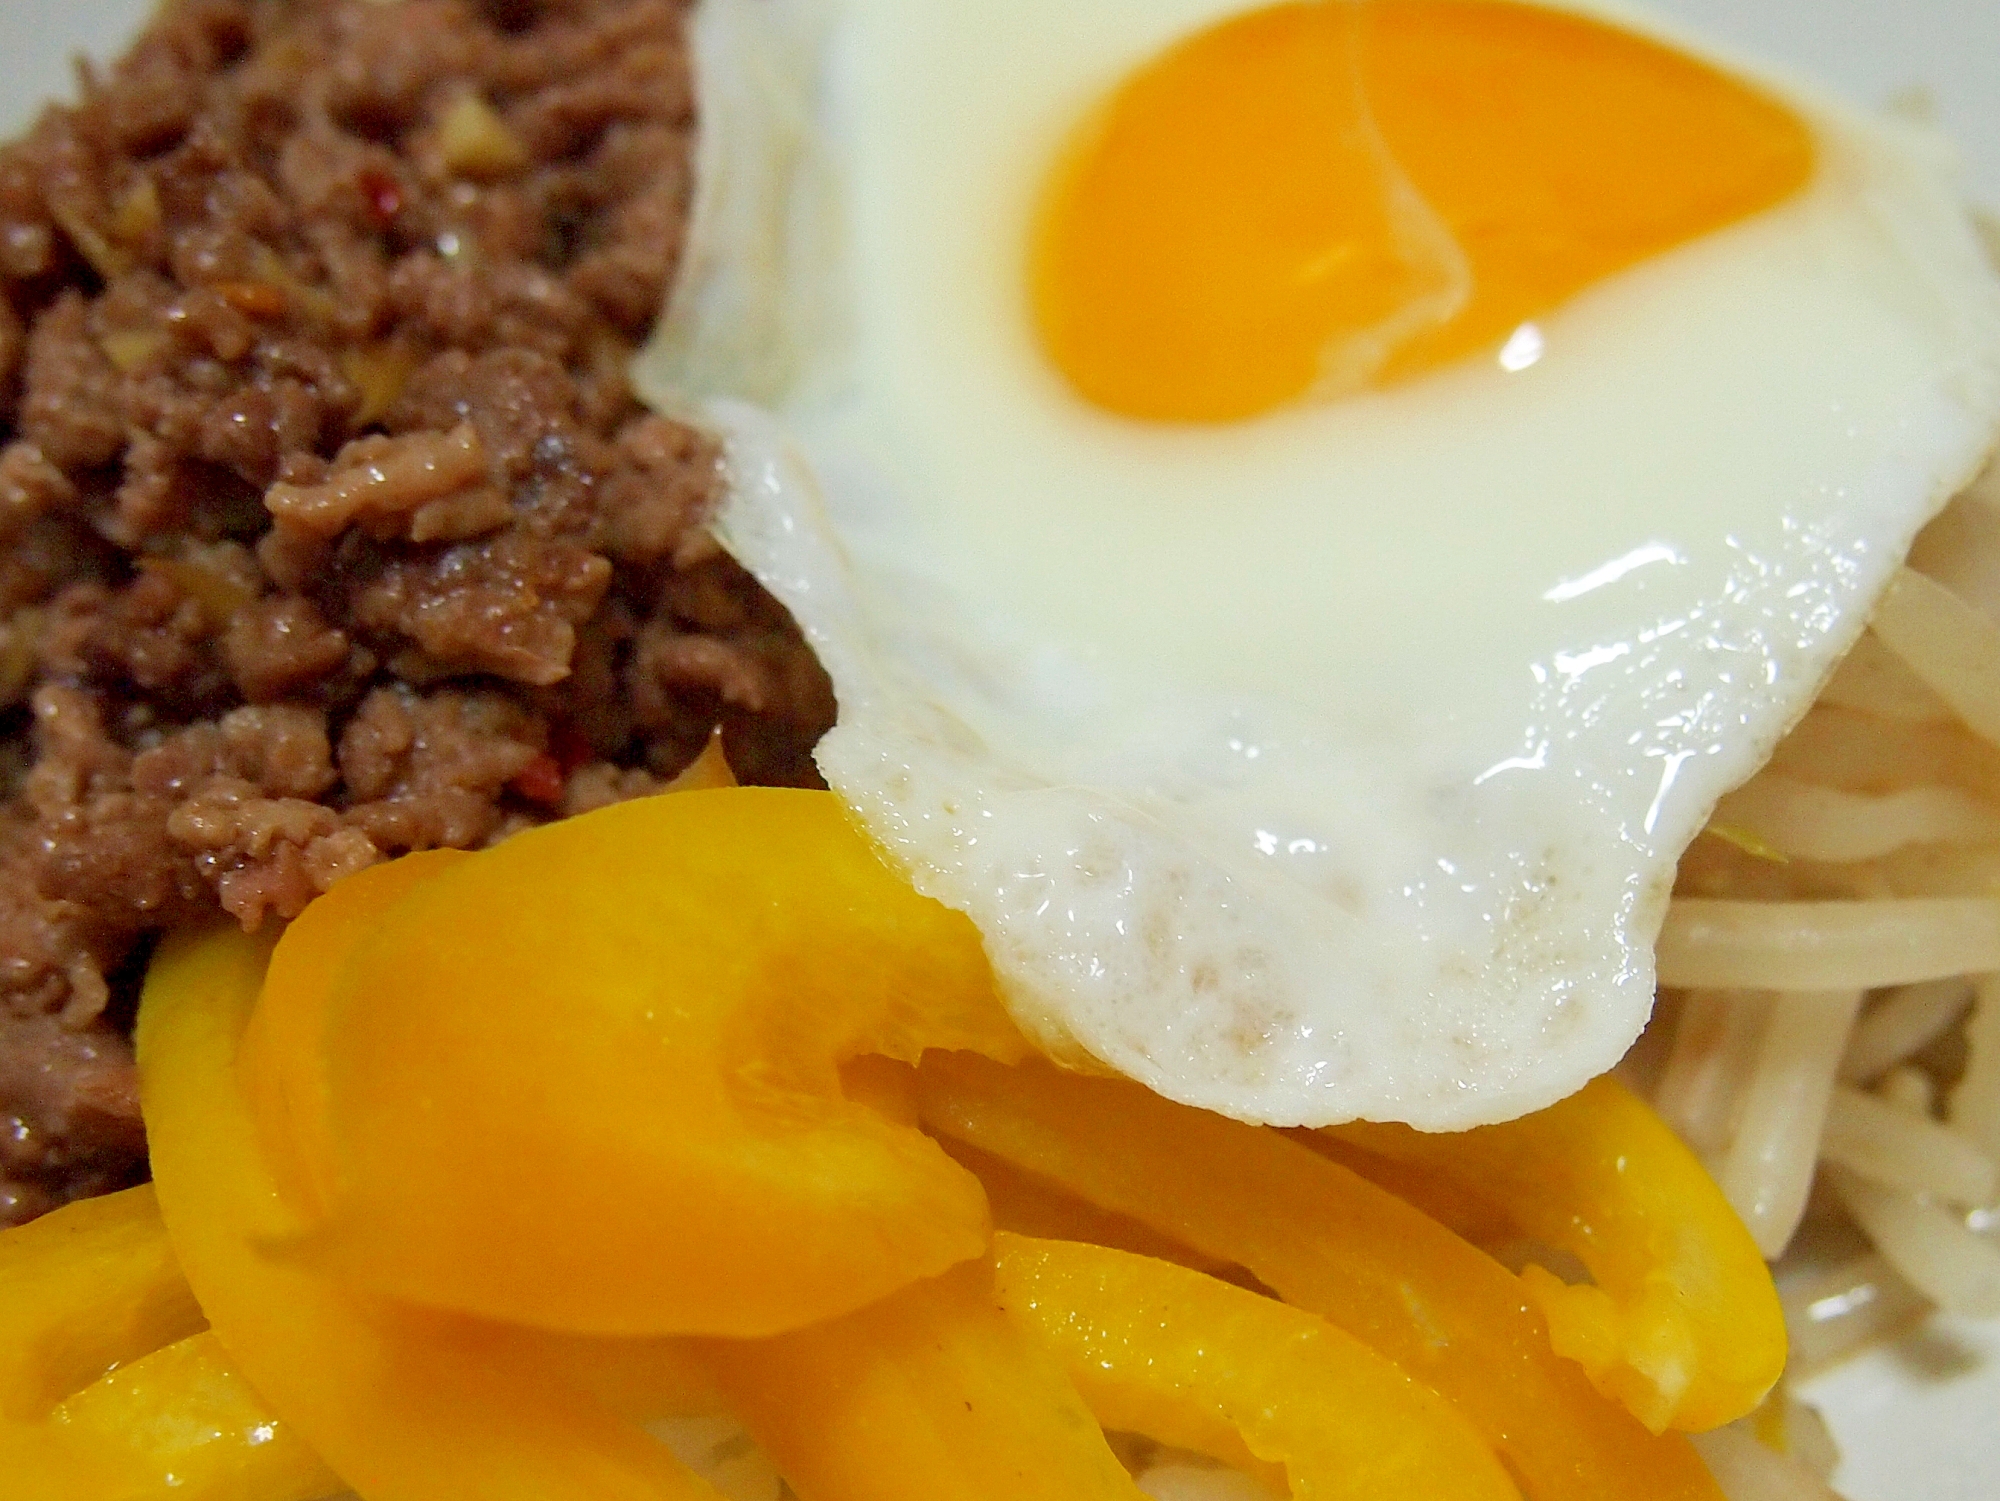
[1324, 195]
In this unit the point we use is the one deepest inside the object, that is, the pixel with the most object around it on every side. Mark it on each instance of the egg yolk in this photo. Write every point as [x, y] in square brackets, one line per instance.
[1321, 196]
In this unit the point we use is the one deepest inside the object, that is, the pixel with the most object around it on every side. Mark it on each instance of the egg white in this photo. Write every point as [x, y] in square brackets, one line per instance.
[1332, 764]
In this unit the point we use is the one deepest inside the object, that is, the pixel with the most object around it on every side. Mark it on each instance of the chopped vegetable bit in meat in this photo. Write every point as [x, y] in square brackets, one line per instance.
[331, 528]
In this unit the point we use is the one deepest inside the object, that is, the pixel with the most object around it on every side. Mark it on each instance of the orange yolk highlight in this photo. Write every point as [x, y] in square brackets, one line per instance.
[1324, 195]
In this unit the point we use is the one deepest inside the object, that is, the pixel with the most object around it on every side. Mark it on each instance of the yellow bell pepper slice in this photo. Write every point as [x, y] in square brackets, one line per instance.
[1682, 1323]
[1196, 1363]
[640, 1379]
[1031, 1206]
[83, 1289]
[405, 1406]
[110, 1392]
[281, 1062]
[930, 1394]
[182, 1425]
[88, 1287]
[38, 1464]
[106, 1398]
[664, 990]
[1329, 1242]
[1467, 1213]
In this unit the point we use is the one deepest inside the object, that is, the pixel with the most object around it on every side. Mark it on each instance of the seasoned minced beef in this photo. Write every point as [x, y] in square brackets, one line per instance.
[331, 528]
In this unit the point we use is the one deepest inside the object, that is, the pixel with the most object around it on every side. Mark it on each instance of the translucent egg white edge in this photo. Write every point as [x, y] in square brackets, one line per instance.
[784, 542]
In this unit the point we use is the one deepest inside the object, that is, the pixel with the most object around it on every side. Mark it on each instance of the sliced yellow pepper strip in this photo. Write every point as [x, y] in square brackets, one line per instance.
[281, 1062]
[91, 1286]
[1198, 1364]
[641, 1379]
[1329, 1242]
[38, 1464]
[111, 1394]
[1018, 1200]
[106, 1399]
[928, 1395]
[664, 990]
[1683, 1324]
[404, 1406]
[1467, 1213]
[182, 1425]
[1031, 1206]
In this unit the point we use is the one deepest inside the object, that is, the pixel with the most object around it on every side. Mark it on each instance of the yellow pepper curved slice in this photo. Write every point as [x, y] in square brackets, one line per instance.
[1196, 1363]
[1683, 1324]
[1329, 1242]
[39, 1465]
[1468, 1214]
[664, 990]
[640, 1379]
[182, 1425]
[280, 1061]
[1030, 1206]
[928, 1395]
[91, 1286]
[405, 1406]
[82, 1290]
[112, 1388]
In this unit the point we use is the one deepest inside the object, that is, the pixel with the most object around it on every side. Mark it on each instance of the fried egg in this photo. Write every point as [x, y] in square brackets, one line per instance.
[1307, 507]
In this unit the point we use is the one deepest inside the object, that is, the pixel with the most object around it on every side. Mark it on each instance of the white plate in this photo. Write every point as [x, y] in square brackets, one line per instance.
[1917, 1420]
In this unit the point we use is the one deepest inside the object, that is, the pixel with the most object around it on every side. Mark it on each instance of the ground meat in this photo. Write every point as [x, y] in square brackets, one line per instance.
[329, 526]
[70, 1122]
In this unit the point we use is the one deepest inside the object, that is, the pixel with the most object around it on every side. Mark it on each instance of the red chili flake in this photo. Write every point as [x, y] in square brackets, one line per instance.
[383, 193]
[571, 748]
[540, 781]
[254, 299]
